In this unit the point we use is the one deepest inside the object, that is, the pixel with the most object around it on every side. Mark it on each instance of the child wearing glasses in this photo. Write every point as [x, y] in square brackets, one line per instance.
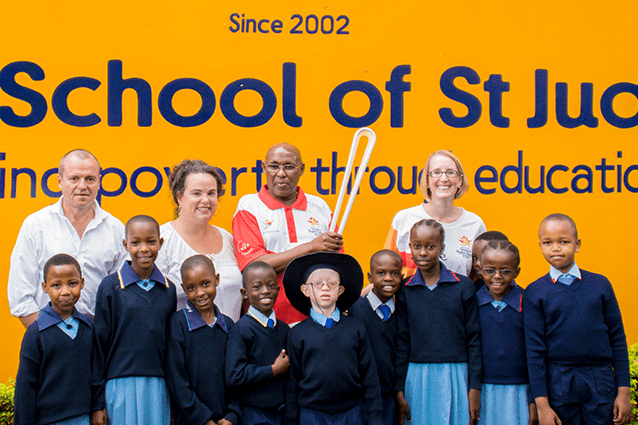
[333, 376]
[505, 393]
[438, 363]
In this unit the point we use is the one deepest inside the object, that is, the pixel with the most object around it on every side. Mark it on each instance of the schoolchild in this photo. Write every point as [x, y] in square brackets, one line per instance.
[376, 312]
[438, 348]
[256, 359]
[479, 244]
[53, 384]
[576, 346]
[333, 377]
[505, 395]
[196, 352]
[131, 316]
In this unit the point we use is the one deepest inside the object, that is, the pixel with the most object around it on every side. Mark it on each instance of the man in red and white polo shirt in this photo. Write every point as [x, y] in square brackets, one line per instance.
[281, 222]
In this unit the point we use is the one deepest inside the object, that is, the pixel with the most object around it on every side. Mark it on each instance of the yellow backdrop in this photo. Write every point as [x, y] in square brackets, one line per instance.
[536, 98]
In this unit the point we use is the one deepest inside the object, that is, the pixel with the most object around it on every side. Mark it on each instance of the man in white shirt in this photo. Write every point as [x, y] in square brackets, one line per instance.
[75, 225]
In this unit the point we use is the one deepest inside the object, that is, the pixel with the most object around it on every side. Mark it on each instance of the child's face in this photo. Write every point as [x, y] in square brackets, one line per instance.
[477, 248]
[559, 243]
[261, 290]
[64, 285]
[425, 247]
[143, 244]
[200, 286]
[385, 276]
[323, 287]
[499, 270]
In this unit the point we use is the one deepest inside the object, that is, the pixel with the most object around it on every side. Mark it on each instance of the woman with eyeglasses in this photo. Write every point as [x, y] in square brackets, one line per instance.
[196, 188]
[442, 182]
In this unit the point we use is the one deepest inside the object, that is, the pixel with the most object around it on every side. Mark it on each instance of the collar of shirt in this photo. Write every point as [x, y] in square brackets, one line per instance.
[554, 273]
[195, 321]
[514, 297]
[100, 214]
[49, 317]
[375, 302]
[447, 276]
[128, 276]
[261, 317]
[321, 319]
[300, 204]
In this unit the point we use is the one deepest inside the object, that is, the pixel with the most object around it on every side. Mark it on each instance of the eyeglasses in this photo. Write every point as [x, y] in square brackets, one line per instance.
[438, 173]
[505, 273]
[288, 168]
[319, 285]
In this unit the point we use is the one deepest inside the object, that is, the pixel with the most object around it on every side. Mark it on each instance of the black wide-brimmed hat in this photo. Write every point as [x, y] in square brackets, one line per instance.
[298, 270]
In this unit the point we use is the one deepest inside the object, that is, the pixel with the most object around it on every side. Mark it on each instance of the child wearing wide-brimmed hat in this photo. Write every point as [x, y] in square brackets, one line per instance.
[333, 376]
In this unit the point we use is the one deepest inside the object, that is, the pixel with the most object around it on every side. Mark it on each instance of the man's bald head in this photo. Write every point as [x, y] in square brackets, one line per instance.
[79, 154]
[285, 147]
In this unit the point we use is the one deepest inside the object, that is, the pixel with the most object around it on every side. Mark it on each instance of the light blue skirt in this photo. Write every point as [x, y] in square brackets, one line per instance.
[78, 420]
[504, 404]
[138, 400]
[437, 393]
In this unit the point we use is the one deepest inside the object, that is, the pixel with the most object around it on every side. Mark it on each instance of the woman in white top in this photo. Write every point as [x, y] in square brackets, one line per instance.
[443, 181]
[196, 188]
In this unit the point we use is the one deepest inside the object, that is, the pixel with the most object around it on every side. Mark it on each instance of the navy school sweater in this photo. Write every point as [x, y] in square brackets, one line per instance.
[502, 339]
[195, 364]
[54, 376]
[575, 325]
[383, 340]
[438, 326]
[331, 369]
[130, 326]
[252, 349]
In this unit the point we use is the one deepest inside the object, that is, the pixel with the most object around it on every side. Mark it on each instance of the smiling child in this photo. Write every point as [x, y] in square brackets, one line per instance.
[256, 361]
[196, 353]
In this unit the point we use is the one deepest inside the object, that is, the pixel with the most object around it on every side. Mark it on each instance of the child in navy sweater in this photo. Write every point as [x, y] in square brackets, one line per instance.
[376, 312]
[256, 360]
[196, 353]
[332, 378]
[505, 395]
[576, 346]
[54, 377]
[131, 316]
[438, 349]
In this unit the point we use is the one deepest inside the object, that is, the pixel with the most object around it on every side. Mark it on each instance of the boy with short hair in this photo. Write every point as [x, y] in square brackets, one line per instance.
[576, 346]
[479, 244]
[196, 351]
[53, 384]
[333, 377]
[376, 312]
[256, 360]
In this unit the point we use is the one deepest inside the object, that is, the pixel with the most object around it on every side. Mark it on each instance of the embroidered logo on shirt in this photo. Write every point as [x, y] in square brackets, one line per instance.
[313, 221]
[244, 248]
[465, 241]
[267, 223]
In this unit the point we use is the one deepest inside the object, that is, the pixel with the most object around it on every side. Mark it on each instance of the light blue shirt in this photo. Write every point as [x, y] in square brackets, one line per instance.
[261, 317]
[70, 326]
[146, 284]
[375, 303]
[321, 319]
[555, 274]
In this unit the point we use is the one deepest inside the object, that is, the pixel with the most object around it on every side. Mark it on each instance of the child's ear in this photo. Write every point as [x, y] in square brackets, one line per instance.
[243, 292]
[217, 279]
[577, 245]
[81, 283]
[183, 287]
[161, 242]
[305, 290]
[44, 287]
[342, 289]
[125, 244]
[370, 277]
[517, 272]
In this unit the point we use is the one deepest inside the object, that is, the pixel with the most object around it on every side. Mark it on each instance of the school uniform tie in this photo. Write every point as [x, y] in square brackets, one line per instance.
[271, 324]
[566, 279]
[329, 323]
[385, 311]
